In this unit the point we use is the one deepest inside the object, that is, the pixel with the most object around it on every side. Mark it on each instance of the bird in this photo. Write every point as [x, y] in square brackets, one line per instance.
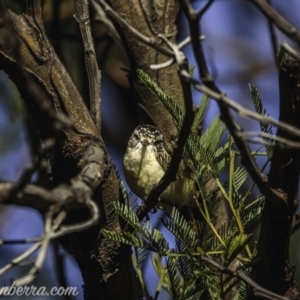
[146, 161]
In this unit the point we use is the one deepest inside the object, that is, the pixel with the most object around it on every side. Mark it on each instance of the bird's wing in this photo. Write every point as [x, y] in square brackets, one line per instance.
[164, 159]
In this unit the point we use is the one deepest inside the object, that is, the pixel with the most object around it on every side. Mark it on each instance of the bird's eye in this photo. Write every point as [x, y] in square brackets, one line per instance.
[134, 139]
[136, 136]
[159, 143]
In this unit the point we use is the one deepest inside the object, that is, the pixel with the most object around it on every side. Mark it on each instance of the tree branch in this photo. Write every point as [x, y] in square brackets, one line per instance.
[278, 20]
[79, 158]
[115, 16]
[140, 36]
[275, 273]
[93, 73]
[257, 289]
[226, 116]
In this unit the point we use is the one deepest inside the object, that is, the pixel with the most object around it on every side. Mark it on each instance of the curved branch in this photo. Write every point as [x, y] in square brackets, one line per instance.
[32, 196]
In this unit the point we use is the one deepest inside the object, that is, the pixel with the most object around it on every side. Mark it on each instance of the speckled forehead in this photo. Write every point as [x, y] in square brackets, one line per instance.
[148, 132]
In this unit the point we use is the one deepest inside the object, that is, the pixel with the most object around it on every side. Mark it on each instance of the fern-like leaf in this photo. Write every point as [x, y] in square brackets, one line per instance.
[154, 239]
[166, 100]
[129, 198]
[235, 247]
[282, 56]
[141, 255]
[181, 229]
[125, 238]
[176, 281]
[239, 177]
[201, 110]
[265, 127]
[125, 211]
[212, 136]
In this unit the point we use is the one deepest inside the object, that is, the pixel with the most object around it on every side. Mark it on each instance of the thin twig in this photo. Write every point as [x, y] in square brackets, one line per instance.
[219, 96]
[278, 20]
[195, 31]
[210, 89]
[45, 148]
[67, 229]
[18, 242]
[169, 62]
[17, 260]
[148, 41]
[291, 51]
[239, 109]
[273, 37]
[83, 19]
[240, 274]
[226, 116]
[33, 196]
[203, 10]
[254, 137]
[187, 41]
[39, 261]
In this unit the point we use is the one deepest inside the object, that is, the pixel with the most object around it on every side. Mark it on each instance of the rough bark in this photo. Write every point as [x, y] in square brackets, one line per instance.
[152, 18]
[29, 60]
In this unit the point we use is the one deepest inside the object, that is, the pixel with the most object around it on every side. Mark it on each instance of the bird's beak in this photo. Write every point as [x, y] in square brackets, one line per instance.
[144, 146]
[145, 142]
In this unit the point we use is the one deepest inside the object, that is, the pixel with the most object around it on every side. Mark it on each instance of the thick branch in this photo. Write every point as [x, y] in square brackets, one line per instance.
[80, 157]
[93, 73]
[275, 273]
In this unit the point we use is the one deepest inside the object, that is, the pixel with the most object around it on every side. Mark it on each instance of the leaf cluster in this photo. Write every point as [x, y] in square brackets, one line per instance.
[180, 270]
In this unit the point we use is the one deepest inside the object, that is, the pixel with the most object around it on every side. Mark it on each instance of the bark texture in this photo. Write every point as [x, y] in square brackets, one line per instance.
[274, 271]
[29, 60]
[152, 18]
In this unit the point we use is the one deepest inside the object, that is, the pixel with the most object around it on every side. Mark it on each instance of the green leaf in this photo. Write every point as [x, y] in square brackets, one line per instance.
[212, 136]
[265, 127]
[125, 238]
[239, 177]
[201, 111]
[282, 56]
[141, 255]
[236, 246]
[191, 70]
[252, 211]
[154, 239]
[181, 229]
[125, 211]
[157, 264]
[176, 280]
[166, 100]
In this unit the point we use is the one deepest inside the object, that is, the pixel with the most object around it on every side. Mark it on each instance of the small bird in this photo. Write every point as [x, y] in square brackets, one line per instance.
[145, 162]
